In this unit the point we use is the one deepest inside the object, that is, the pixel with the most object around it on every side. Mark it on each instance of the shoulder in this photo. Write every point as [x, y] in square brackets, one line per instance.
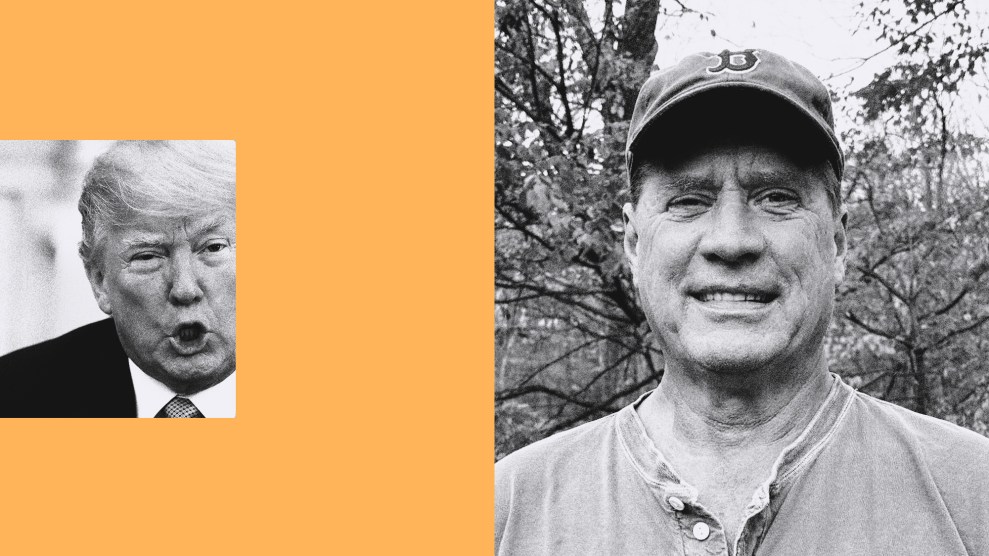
[55, 377]
[940, 440]
[954, 460]
[555, 467]
[94, 336]
[537, 467]
[565, 449]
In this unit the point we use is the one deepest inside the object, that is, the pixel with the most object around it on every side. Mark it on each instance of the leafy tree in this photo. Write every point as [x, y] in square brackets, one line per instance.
[571, 340]
[916, 301]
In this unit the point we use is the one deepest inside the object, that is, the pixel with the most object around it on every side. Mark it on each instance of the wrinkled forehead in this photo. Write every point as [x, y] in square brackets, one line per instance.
[167, 229]
[718, 165]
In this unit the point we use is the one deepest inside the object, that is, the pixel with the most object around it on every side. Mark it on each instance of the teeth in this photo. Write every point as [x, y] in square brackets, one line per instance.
[188, 333]
[738, 297]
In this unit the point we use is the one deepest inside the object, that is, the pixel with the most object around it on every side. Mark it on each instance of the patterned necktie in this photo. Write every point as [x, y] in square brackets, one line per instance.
[179, 407]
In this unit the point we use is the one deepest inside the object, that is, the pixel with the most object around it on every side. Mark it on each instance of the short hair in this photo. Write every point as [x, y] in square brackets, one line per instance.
[735, 115]
[168, 179]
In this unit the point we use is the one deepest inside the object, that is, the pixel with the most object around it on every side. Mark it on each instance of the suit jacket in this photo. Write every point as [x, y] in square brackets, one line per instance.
[81, 374]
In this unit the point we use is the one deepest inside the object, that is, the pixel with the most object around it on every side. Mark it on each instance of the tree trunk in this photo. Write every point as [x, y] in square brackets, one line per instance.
[920, 376]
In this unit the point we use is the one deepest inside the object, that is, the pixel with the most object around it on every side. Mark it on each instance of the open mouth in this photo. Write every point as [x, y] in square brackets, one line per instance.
[189, 338]
[190, 332]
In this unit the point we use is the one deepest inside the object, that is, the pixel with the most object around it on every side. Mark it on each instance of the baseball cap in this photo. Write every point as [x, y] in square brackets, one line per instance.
[758, 71]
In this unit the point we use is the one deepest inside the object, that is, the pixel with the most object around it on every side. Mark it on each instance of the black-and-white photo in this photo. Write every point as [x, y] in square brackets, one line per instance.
[118, 266]
[741, 277]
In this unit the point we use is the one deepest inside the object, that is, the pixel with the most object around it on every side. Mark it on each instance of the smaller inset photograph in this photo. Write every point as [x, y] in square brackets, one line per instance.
[118, 279]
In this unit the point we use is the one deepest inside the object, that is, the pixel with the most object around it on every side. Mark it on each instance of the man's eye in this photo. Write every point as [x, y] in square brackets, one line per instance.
[689, 203]
[145, 260]
[778, 198]
[215, 246]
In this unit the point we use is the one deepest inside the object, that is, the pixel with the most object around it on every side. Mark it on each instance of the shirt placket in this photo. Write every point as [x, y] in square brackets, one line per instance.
[756, 520]
[701, 533]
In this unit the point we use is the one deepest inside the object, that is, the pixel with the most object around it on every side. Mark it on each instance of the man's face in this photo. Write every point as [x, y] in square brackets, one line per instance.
[735, 254]
[170, 286]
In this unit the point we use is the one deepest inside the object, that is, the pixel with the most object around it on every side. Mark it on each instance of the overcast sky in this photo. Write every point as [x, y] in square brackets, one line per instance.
[819, 35]
[827, 37]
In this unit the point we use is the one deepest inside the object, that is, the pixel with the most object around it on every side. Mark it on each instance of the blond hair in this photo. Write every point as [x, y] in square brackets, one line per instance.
[168, 179]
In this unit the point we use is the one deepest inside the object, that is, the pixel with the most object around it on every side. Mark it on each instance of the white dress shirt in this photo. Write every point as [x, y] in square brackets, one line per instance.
[219, 400]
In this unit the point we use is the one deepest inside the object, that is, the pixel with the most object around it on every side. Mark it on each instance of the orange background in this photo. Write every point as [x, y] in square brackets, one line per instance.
[365, 278]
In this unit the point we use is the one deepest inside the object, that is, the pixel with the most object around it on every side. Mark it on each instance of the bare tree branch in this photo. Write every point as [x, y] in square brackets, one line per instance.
[885, 283]
[604, 406]
[978, 322]
[913, 32]
[869, 328]
[556, 360]
[540, 389]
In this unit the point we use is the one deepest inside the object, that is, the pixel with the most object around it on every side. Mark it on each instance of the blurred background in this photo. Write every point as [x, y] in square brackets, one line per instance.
[910, 87]
[43, 288]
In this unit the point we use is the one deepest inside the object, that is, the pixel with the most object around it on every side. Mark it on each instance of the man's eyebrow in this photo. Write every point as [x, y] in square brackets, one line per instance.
[683, 184]
[152, 239]
[145, 240]
[753, 179]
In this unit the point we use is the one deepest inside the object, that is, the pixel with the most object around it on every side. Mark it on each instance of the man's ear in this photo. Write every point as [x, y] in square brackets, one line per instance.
[631, 242]
[97, 281]
[841, 246]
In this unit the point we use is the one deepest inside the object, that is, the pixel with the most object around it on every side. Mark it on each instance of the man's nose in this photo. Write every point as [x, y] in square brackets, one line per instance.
[733, 235]
[184, 288]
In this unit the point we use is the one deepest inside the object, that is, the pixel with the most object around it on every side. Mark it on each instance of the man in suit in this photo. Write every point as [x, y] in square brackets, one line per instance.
[159, 249]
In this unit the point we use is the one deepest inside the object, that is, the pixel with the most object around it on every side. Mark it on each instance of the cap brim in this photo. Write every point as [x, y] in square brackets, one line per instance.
[836, 158]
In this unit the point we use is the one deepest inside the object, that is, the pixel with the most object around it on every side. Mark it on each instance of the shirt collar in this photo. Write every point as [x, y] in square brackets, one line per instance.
[650, 463]
[219, 400]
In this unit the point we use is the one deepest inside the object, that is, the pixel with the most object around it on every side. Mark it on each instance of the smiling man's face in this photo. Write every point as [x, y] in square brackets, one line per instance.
[170, 286]
[735, 253]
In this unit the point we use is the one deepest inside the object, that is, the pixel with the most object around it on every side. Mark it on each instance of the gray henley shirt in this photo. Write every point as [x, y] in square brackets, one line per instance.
[865, 477]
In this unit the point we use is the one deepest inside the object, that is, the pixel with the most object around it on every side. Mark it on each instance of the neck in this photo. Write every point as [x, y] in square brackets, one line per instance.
[721, 411]
[188, 387]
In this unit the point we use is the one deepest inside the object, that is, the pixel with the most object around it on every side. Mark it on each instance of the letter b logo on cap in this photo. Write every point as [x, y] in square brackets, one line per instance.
[739, 62]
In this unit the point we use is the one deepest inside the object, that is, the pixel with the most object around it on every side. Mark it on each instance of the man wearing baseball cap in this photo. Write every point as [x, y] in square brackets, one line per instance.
[735, 236]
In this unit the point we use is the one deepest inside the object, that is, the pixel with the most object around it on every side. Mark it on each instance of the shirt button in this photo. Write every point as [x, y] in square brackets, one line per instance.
[701, 530]
[676, 503]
